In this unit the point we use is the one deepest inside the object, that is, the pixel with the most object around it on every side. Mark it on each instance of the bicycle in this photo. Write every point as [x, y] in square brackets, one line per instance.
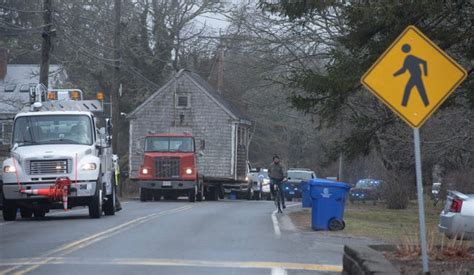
[278, 195]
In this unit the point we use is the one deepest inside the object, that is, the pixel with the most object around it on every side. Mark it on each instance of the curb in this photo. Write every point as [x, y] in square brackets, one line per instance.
[361, 259]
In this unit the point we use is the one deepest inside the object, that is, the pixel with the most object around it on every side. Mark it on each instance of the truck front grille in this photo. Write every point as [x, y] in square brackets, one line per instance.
[44, 167]
[167, 167]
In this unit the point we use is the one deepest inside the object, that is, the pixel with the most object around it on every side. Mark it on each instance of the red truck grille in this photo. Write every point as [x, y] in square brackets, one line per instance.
[167, 167]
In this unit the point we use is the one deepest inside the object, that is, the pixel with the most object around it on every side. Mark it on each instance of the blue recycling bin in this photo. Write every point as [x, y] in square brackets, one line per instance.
[305, 194]
[329, 198]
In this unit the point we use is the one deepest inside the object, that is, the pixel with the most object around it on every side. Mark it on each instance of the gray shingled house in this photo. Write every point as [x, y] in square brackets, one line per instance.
[188, 104]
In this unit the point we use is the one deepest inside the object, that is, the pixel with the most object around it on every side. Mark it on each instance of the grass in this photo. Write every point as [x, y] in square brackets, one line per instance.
[378, 222]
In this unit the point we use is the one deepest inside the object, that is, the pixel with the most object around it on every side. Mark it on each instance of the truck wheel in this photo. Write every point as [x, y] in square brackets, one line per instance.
[39, 213]
[211, 194]
[250, 194]
[200, 193]
[109, 205]
[192, 194]
[26, 213]
[143, 194]
[9, 211]
[156, 195]
[257, 195]
[95, 204]
[199, 196]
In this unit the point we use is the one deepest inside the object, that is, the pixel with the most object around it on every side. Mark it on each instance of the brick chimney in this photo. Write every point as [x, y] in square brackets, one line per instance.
[3, 62]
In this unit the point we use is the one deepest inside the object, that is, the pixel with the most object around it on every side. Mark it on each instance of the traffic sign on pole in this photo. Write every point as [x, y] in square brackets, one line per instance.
[414, 77]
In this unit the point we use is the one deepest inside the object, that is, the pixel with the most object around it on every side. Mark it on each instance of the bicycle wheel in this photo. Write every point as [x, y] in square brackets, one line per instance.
[278, 200]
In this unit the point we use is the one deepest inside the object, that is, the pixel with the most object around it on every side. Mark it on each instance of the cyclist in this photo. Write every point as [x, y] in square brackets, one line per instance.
[277, 174]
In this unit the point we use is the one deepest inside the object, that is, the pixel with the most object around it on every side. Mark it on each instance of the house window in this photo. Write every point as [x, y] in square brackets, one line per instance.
[239, 135]
[183, 101]
[242, 136]
[25, 88]
[10, 88]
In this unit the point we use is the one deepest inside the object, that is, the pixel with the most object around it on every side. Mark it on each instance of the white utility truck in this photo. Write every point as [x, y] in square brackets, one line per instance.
[60, 157]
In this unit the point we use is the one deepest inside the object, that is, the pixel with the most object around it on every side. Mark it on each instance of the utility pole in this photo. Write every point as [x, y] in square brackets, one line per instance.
[114, 93]
[46, 43]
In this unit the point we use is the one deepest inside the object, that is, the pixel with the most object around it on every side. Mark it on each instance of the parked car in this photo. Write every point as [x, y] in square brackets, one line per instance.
[457, 217]
[255, 180]
[366, 190]
[263, 185]
[295, 176]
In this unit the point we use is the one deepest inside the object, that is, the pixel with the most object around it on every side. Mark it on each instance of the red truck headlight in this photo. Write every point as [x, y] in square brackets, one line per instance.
[189, 171]
[145, 171]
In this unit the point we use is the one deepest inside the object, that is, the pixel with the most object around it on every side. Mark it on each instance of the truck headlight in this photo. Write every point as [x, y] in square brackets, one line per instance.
[189, 171]
[145, 171]
[9, 169]
[89, 166]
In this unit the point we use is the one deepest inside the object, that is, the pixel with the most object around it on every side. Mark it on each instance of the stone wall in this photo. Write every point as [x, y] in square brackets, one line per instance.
[362, 259]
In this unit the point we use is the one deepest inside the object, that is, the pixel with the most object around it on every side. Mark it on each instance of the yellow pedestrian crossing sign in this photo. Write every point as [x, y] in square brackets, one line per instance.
[413, 77]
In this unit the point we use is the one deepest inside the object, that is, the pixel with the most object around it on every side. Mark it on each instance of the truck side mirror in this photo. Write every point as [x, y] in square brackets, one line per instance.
[101, 141]
[200, 153]
[108, 131]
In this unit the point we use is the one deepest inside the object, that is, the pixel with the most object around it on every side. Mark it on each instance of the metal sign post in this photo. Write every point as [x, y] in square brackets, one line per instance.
[413, 53]
[421, 204]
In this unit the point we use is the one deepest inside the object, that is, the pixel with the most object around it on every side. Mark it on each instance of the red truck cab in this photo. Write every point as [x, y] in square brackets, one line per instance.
[169, 168]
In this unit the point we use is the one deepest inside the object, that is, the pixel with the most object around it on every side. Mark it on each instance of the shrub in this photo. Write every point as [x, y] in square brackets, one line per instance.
[397, 188]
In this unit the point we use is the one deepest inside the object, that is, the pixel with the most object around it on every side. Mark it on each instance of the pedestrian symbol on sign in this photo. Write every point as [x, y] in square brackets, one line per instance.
[412, 64]
[400, 77]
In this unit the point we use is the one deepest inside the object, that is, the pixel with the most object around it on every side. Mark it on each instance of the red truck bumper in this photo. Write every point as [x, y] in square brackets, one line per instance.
[166, 184]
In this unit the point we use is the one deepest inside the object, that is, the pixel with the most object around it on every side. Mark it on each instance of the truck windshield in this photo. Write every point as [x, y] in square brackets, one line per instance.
[52, 129]
[169, 144]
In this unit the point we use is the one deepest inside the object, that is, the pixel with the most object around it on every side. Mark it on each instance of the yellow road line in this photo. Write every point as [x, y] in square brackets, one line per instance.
[71, 247]
[174, 262]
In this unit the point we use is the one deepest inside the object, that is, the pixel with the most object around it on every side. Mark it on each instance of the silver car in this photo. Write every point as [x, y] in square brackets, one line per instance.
[457, 217]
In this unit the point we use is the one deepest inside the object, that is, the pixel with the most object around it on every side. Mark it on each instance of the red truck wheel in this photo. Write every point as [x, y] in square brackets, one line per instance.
[192, 194]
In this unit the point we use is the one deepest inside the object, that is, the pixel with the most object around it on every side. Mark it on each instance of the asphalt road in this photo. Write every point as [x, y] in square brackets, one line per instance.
[224, 237]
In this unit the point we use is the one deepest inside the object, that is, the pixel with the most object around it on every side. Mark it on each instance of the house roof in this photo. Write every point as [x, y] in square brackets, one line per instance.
[19, 77]
[29, 73]
[206, 88]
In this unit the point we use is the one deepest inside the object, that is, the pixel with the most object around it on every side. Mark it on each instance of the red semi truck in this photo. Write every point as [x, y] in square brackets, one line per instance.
[173, 167]
[169, 169]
